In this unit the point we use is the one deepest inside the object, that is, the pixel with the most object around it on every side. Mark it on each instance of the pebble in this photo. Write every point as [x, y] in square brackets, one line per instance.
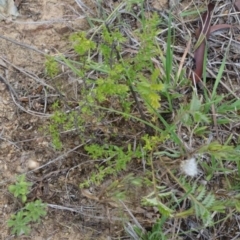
[32, 164]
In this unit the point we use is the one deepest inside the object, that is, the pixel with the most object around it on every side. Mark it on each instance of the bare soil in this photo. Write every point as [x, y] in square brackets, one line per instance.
[43, 25]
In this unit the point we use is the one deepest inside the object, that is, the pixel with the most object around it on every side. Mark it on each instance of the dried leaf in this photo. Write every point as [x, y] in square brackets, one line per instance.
[203, 34]
[201, 43]
[219, 27]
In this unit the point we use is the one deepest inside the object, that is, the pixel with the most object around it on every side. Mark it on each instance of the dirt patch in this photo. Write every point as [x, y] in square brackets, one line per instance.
[45, 26]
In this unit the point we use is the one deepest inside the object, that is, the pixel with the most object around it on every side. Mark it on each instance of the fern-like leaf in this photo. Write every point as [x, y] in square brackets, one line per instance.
[209, 200]
[202, 193]
[203, 202]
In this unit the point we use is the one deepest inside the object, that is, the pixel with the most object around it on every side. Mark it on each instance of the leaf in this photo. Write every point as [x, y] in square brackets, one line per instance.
[202, 193]
[200, 117]
[209, 200]
[203, 34]
[24, 198]
[18, 223]
[195, 104]
[36, 210]
[155, 75]
[162, 207]
[220, 151]
[237, 205]
[21, 188]
[200, 45]
[219, 75]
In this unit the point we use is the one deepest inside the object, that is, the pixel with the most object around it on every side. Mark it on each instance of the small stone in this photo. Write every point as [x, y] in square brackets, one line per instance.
[32, 164]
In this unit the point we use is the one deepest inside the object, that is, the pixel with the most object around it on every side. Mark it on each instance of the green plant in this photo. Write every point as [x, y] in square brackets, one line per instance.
[31, 212]
[155, 200]
[155, 233]
[20, 188]
[61, 121]
[121, 80]
[143, 87]
[203, 202]
[115, 160]
[51, 66]
[19, 224]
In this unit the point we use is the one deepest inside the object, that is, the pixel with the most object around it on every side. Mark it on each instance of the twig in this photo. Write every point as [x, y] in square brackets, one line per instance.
[5, 139]
[80, 211]
[45, 102]
[23, 45]
[59, 157]
[9, 86]
[28, 74]
[29, 111]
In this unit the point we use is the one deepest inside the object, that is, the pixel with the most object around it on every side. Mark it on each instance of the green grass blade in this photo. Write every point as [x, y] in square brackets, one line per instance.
[219, 75]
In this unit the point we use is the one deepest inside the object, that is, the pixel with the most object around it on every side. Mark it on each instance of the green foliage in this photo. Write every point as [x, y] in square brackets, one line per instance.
[193, 113]
[156, 232]
[19, 224]
[110, 38]
[122, 74]
[227, 110]
[61, 121]
[221, 152]
[81, 44]
[35, 210]
[58, 120]
[137, 82]
[32, 212]
[51, 66]
[152, 200]
[121, 81]
[148, 86]
[115, 158]
[203, 202]
[108, 87]
[149, 89]
[20, 188]
[152, 142]
[122, 187]
[55, 134]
